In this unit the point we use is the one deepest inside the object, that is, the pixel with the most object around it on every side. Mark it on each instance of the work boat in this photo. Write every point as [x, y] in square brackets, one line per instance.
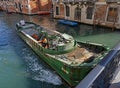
[70, 59]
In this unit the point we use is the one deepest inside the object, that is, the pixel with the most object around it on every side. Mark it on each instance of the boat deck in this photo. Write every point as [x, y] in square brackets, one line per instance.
[30, 31]
[77, 56]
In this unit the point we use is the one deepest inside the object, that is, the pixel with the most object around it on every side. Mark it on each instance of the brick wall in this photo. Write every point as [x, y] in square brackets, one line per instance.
[45, 5]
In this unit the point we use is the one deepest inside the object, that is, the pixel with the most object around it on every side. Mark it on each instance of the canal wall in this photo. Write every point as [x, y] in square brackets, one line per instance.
[95, 13]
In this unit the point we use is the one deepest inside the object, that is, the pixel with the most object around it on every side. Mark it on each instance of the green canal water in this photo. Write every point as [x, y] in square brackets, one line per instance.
[107, 39]
[20, 67]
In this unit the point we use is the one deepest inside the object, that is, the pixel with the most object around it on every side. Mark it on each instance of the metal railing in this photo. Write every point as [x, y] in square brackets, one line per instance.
[103, 73]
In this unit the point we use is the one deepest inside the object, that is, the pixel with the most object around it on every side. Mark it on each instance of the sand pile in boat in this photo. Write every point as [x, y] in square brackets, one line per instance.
[80, 55]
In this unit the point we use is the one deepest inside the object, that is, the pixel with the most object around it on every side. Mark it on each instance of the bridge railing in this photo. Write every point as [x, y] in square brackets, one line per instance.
[102, 75]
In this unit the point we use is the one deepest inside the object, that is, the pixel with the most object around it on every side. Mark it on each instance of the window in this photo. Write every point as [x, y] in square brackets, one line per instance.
[57, 10]
[77, 13]
[67, 11]
[26, 6]
[112, 14]
[89, 12]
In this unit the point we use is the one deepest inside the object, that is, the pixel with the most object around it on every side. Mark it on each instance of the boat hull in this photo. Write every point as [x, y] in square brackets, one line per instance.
[71, 74]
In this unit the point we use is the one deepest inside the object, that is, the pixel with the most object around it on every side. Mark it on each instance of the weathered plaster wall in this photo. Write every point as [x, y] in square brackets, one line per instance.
[54, 10]
[112, 16]
[84, 16]
[11, 8]
[118, 23]
[70, 9]
[33, 6]
[72, 12]
[101, 0]
[45, 5]
[61, 10]
[100, 14]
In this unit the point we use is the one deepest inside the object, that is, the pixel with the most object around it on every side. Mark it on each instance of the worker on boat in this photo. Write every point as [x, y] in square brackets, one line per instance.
[44, 43]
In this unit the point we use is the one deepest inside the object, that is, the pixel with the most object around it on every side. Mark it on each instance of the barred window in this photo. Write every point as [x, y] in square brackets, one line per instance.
[57, 10]
[89, 12]
[112, 14]
[67, 11]
[77, 15]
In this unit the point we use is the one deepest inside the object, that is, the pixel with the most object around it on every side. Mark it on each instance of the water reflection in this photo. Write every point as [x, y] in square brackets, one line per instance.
[81, 30]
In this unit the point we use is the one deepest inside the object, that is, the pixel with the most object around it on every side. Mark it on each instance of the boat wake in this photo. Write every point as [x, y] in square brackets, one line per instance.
[38, 70]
